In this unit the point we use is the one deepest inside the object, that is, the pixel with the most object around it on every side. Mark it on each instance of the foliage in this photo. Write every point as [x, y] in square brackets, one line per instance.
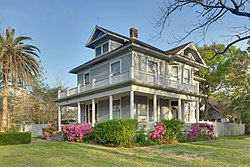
[18, 67]
[245, 119]
[201, 131]
[52, 128]
[173, 129]
[159, 133]
[9, 138]
[77, 132]
[116, 131]
[167, 131]
[143, 136]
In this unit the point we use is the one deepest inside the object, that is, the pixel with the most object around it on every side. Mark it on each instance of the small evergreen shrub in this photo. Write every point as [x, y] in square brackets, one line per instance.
[11, 138]
[116, 131]
[201, 131]
[77, 132]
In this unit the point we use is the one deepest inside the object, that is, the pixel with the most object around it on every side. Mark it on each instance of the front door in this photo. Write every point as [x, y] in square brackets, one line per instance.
[89, 113]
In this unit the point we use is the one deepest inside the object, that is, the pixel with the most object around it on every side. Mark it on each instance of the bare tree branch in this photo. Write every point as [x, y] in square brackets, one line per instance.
[209, 13]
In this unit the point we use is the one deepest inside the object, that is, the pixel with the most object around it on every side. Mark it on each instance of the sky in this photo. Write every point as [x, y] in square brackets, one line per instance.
[61, 28]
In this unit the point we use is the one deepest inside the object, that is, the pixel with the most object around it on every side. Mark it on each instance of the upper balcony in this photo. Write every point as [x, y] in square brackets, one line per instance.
[139, 77]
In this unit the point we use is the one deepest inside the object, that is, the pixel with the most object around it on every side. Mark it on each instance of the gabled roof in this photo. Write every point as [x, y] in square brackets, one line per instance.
[100, 32]
[178, 49]
[190, 45]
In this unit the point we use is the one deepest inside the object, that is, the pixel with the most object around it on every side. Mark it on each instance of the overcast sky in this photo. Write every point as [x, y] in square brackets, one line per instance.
[61, 28]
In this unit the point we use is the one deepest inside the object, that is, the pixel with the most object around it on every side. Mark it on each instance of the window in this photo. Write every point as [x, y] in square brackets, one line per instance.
[98, 51]
[152, 67]
[80, 79]
[186, 78]
[115, 68]
[116, 109]
[174, 71]
[86, 77]
[105, 48]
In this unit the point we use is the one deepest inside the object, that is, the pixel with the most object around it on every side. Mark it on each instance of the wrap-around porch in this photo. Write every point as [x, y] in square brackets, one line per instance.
[140, 105]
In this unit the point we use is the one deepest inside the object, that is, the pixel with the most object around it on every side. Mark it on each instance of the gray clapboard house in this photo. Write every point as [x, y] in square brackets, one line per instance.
[128, 78]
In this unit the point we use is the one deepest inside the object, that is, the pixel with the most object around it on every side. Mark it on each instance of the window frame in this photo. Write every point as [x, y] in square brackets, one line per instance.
[186, 80]
[177, 75]
[85, 78]
[101, 46]
[157, 68]
[110, 67]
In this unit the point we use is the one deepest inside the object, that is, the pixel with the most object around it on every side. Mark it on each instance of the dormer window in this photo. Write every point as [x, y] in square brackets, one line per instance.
[104, 48]
[98, 51]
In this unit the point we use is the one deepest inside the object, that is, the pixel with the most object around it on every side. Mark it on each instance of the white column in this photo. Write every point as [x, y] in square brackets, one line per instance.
[93, 112]
[197, 111]
[155, 107]
[179, 110]
[110, 107]
[59, 119]
[78, 112]
[132, 114]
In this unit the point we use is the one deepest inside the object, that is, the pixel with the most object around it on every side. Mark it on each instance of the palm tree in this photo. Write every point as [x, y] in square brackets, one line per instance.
[18, 66]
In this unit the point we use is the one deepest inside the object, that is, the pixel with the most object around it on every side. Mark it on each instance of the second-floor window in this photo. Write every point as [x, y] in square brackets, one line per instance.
[174, 72]
[152, 67]
[115, 68]
[86, 78]
[186, 76]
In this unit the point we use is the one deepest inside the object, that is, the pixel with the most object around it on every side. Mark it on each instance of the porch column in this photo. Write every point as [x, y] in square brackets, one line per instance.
[78, 112]
[132, 114]
[179, 110]
[59, 119]
[93, 112]
[197, 111]
[155, 107]
[110, 107]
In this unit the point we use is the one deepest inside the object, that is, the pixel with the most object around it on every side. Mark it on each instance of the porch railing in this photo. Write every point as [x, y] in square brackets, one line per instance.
[129, 75]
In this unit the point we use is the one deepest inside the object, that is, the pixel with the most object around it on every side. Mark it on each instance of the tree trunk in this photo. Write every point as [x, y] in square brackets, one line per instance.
[4, 124]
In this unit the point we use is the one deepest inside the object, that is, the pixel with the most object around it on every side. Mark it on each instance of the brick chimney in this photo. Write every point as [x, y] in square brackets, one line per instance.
[133, 33]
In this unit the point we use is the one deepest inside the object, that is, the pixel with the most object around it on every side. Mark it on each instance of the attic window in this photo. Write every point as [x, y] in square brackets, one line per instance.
[101, 49]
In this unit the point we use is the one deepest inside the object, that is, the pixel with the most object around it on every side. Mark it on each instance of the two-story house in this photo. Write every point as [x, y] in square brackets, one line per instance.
[128, 78]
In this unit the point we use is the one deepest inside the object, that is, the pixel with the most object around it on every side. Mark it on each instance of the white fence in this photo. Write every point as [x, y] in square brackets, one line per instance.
[35, 129]
[227, 129]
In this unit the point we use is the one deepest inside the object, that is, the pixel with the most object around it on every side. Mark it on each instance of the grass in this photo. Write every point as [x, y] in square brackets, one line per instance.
[221, 152]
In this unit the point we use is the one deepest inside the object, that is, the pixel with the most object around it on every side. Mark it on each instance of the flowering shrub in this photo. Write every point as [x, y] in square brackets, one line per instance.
[159, 133]
[52, 128]
[78, 132]
[202, 131]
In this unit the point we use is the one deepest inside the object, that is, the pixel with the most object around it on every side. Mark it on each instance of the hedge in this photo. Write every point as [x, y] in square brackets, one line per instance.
[10, 138]
[116, 131]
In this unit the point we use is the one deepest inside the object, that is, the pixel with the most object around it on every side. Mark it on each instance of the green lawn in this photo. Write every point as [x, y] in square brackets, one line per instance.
[223, 152]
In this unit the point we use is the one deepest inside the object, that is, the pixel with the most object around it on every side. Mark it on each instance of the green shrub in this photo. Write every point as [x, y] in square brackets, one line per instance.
[116, 131]
[173, 129]
[10, 138]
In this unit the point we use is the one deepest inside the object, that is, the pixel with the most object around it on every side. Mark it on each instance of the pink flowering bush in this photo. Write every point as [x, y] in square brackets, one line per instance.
[52, 128]
[77, 132]
[167, 131]
[201, 131]
[159, 133]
